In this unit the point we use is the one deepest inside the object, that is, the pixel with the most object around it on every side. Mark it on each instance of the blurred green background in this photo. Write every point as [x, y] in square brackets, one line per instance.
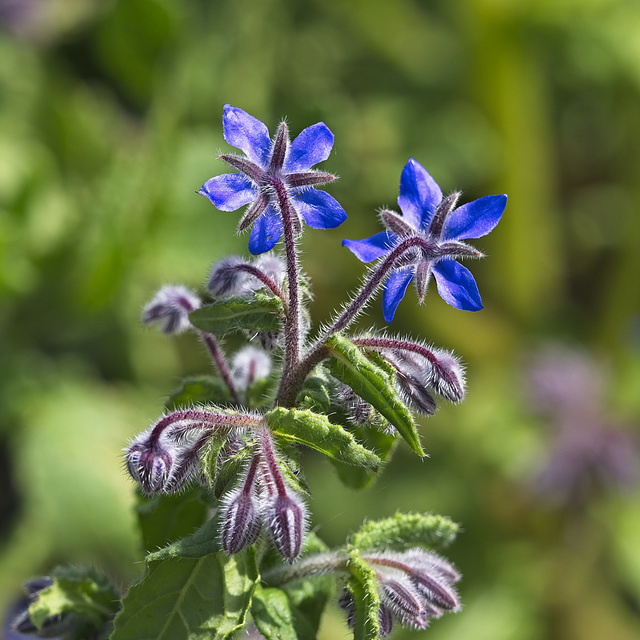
[110, 119]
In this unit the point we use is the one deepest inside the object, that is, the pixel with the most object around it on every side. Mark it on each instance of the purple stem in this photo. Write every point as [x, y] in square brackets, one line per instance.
[221, 363]
[318, 351]
[267, 281]
[292, 336]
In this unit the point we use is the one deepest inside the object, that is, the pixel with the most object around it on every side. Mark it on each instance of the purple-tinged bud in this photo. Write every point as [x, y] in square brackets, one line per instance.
[437, 591]
[400, 595]
[248, 365]
[228, 278]
[167, 455]
[286, 520]
[170, 309]
[385, 621]
[359, 412]
[345, 602]
[415, 394]
[150, 461]
[241, 514]
[270, 340]
[285, 513]
[273, 267]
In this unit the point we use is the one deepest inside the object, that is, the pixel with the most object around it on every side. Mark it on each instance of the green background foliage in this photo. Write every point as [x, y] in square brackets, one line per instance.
[110, 119]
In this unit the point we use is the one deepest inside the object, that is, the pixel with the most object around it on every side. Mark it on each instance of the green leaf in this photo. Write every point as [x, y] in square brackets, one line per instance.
[87, 594]
[259, 313]
[164, 519]
[191, 590]
[374, 439]
[199, 390]
[314, 430]
[372, 384]
[406, 530]
[272, 615]
[363, 586]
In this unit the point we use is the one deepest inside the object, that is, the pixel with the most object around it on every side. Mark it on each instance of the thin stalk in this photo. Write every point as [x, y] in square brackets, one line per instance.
[292, 333]
[317, 564]
[221, 363]
[318, 350]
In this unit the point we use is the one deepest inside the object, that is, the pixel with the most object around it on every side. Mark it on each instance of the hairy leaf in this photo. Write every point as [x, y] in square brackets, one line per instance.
[406, 530]
[372, 384]
[198, 390]
[260, 313]
[191, 590]
[314, 430]
[363, 587]
[164, 519]
[86, 594]
[271, 613]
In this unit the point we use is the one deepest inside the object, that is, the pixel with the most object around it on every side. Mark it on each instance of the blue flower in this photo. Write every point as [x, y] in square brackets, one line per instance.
[434, 219]
[274, 175]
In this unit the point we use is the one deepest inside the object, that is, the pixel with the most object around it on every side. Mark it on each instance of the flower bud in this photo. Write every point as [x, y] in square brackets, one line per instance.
[248, 365]
[286, 520]
[241, 515]
[170, 309]
[167, 455]
[228, 278]
[400, 595]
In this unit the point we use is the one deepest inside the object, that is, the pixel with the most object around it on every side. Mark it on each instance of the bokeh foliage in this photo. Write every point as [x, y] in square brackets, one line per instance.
[110, 120]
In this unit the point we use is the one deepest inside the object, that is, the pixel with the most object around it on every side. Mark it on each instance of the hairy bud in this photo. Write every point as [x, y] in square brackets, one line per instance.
[170, 309]
[228, 278]
[241, 514]
[286, 521]
[248, 365]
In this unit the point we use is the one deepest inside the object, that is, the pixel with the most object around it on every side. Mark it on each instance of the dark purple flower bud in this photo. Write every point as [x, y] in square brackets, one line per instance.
[286, 520]
[385, 620]
[170, 309]
[345, 602]
[241, 515]
[248, 365]
[228, 278]
[400, 595]
[167, 455]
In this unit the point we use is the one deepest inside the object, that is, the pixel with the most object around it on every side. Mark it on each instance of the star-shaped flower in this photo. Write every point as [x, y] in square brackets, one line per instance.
[427, 215]
[274, 175]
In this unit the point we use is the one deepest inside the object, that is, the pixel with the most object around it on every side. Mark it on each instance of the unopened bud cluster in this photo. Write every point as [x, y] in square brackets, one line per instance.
[263, 500]
[414, 586]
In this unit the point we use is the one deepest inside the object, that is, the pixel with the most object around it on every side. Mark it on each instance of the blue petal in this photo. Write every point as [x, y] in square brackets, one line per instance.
[474, 219]
[266, 231]
[319, 209]
[312, 145]
[419, 195]
[229, 191]
[393, 291]
[456, 285]
[371, 248]
[247, 134]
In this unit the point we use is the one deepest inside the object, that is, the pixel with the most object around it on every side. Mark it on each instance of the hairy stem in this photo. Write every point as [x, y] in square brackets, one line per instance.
[318, 350]
[221, 363]
[292, 333]
[314, 565]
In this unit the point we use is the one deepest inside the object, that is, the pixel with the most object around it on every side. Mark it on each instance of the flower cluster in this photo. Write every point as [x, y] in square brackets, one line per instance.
[349, 397]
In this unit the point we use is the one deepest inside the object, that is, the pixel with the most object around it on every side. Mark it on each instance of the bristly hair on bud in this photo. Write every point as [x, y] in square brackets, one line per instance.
[421, 369]
[287, 521]
[248, 365]
[415, 585]
[241, 512]
[166, 456]
[228, 278]
[170, 309]
[285, 513]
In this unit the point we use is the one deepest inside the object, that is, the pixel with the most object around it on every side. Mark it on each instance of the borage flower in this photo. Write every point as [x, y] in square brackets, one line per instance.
[274, 175]
[427, 215]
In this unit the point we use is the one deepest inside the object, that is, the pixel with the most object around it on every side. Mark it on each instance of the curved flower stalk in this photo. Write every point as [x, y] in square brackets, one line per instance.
[427, 215]
[275, 178]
